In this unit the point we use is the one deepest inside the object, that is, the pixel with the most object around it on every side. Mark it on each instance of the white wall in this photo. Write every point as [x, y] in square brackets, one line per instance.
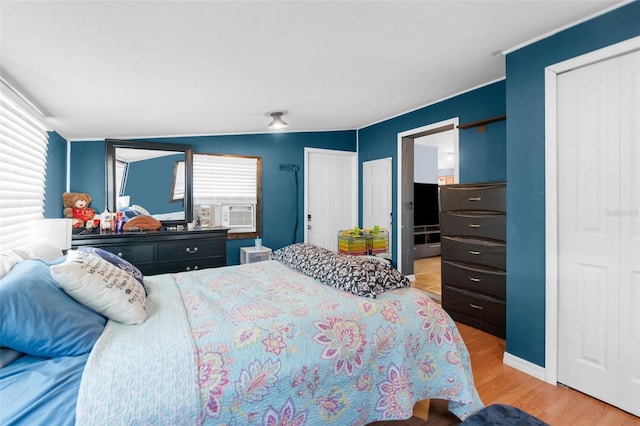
[425, 167]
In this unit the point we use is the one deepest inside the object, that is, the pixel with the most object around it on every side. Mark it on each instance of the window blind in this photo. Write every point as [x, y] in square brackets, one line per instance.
[23, 165]
[219, 179]
[178, 181]
[121, 174]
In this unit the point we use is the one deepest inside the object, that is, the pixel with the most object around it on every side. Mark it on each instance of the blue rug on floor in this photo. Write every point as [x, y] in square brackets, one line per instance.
[499, 414]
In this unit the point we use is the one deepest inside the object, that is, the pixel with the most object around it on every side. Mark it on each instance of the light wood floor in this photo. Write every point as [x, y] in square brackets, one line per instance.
[428, 277]
[498, 383]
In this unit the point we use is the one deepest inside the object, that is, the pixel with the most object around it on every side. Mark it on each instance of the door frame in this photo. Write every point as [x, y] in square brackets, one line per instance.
[412, 134]
[551, 191]
[353, 155]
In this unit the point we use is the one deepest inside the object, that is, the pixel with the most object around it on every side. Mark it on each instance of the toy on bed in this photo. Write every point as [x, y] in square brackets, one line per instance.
[76, 207]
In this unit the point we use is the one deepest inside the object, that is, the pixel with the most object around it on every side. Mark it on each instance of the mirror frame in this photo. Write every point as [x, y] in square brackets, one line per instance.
[110, 173]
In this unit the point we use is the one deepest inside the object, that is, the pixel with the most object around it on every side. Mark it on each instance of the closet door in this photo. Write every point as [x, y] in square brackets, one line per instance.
[629, 215]
[599, 231]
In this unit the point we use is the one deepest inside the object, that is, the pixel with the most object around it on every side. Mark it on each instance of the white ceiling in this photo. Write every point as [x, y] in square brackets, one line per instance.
[119, 69]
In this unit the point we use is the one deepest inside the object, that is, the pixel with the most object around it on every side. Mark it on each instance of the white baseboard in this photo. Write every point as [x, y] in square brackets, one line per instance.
[524, 366]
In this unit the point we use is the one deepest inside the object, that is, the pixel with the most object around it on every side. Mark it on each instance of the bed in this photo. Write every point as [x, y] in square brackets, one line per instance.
[287, 341]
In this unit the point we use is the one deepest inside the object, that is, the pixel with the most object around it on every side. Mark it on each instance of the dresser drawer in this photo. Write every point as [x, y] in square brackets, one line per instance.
[485, 225]
[483, 308]
[485, 281]
[140, 255]
[468, 250]
[191, 249]
[190, 265]
[473, 197]
[134, 253]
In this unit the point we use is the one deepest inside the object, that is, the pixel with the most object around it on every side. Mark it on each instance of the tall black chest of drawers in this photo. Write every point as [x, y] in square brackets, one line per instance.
[473, 243]
[158, 252]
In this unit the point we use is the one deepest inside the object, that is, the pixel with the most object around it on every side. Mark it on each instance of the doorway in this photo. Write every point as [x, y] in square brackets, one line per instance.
[406, 172]
[434, 156]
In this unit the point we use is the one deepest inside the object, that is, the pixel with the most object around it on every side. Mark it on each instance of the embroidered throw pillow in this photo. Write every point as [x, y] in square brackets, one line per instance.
[102, 286]
[116, 260]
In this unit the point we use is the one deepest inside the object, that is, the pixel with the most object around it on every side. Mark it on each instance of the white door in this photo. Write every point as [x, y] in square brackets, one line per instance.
[599, 230]
[376, 197]
[331, 195]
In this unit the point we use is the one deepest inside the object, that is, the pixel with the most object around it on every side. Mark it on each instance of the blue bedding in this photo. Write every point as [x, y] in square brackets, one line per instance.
[55, 332]
[40, 391]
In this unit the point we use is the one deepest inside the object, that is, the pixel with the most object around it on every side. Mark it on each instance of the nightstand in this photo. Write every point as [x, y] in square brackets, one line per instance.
[253, 255]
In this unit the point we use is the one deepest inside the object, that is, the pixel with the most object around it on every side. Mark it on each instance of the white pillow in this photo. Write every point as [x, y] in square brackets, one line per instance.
[42, 251]
[102, 286]
[7, 260]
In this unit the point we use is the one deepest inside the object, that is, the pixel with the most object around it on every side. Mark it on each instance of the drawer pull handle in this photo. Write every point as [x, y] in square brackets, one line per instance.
[195, 268]
[119, 254]
[474, 225]
[475, 252]
[475, 280]
[479, 307]
[475, 198]
[192, 250]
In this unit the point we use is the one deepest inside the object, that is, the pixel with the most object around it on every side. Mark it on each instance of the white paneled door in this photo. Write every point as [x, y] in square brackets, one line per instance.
[599, 230]
[376, 197]
[331, 195]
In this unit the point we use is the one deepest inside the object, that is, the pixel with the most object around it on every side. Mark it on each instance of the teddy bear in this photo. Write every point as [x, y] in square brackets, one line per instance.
[76, 207]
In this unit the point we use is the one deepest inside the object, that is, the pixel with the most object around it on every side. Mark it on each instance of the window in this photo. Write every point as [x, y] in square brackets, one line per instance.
[23, 167]
[226, 192]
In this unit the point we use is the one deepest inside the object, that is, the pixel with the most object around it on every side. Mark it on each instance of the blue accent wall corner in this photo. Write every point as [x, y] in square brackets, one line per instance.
[56, 178]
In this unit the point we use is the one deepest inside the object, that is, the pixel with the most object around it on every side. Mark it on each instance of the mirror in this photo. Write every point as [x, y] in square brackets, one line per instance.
[150, 177]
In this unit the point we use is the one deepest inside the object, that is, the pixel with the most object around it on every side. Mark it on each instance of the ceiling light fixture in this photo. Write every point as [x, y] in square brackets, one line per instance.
[277, 123]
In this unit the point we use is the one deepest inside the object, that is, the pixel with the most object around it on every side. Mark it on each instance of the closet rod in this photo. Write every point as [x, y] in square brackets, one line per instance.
[482, 122]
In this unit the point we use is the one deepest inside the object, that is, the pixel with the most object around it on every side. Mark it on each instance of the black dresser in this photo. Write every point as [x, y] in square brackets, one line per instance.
[473, 244]
[159, 252]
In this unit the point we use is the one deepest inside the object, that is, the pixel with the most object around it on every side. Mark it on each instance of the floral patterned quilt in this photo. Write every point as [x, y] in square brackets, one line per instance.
[275, 347]
[262, 344]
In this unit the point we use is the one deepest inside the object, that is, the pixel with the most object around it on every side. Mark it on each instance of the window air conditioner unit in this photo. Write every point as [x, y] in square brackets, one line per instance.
[238, 216]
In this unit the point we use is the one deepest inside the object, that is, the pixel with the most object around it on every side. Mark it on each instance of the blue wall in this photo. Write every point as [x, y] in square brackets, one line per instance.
[482, 155]
[150, 182]
[56, 179]
[526, 169]
[87, 171]
[279, 203]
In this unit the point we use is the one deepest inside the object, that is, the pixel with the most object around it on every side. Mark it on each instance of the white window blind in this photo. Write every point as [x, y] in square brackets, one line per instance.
[121, 173]
[178, 181]
[219, 179]
[23, 166]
